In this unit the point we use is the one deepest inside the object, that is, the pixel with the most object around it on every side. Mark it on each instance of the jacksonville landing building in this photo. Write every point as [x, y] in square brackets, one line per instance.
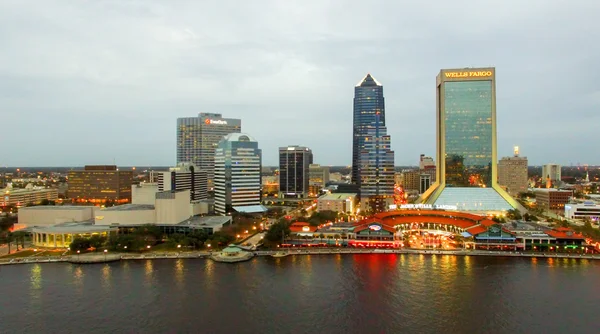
[466, 143]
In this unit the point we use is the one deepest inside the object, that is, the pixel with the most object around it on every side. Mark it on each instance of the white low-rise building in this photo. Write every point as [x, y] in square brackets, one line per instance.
[338, 202]
[48, 215]
[582, 210]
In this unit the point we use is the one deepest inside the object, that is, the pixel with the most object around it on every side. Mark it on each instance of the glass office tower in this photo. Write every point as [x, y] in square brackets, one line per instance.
[466, 142]
[368, 104]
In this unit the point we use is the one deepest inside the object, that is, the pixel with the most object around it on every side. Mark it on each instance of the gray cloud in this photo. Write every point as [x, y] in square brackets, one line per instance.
[89, 82]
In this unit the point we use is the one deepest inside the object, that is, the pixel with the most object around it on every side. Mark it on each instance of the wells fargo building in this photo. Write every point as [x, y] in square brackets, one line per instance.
[466, 142]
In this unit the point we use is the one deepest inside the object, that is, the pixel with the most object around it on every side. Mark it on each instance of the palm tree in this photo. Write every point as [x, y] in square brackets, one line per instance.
[9, 238]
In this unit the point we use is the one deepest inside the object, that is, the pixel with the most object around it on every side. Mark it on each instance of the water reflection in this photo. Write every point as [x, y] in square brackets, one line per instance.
[36, 276]
[149, 272]
[106, 277]
[179, 273]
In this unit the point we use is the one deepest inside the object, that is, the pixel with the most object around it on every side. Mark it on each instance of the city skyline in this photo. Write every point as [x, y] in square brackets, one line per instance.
[108, 88]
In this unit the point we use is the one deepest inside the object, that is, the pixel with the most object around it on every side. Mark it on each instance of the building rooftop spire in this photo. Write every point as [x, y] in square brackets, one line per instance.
[367, 81]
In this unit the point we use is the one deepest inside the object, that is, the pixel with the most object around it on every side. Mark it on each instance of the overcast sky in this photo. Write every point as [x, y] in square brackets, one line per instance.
[92, 82]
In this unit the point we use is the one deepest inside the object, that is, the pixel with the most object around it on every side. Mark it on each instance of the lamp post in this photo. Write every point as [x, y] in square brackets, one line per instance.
[105, 251]
[178, 250]
[78, 254]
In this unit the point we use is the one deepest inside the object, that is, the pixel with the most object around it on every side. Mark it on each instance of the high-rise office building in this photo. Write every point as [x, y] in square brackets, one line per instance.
[368, 105]
[427, 166]
[551, 173]
[318, 176]
[185, 176]
[466, 143]
[512, 173]
[294, 162]
[99, 184]
[237, 173]
[376, 168]
[197, 139]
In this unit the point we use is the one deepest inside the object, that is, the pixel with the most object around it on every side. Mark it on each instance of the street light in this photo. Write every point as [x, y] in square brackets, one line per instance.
[105, 251]
[148, 246]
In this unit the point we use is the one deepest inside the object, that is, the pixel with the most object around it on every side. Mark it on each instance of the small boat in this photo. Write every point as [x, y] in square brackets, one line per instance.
[280, 254]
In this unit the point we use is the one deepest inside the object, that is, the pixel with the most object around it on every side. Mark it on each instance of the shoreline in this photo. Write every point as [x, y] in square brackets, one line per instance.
[97, 259]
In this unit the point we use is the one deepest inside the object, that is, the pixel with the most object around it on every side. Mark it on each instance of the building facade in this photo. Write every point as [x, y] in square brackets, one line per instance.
[551, 173]
[185, 176]
[552, 199]
[368, 104]
[99, 184]
[427, 166]
[337, 202]
[28, 195]
[466, 142]
[237, 173]
[512, 174]
[198, 137]
[294, 162]
[318, 176]
[411, 180]
[584, 210]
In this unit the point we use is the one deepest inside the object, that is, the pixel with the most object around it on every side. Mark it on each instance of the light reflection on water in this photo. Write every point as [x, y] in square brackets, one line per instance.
[366, 293]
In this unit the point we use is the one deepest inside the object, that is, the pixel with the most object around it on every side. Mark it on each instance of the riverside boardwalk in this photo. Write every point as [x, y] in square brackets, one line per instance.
[99, 258]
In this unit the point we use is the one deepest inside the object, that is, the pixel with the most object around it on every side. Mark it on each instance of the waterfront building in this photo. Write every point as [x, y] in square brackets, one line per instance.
[198, 137]
[27, 195]
[100, 183]
[185, 176]
[552, 199]
[337, 202]
[587, 209]
[466, 143]
[551, 174]
[368, 106]
[237, 173]
[512, 173]
[48, 215]
[318, 176]
[62, 235]
[294, 162]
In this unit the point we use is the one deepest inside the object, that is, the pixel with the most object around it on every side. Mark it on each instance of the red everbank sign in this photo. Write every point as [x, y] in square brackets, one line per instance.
[209, 121]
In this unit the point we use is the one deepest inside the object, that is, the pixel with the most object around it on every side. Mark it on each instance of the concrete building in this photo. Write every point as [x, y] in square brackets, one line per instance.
[198, 137]
[551, 174]
[318, 176]
[144, 193]
[237, 173]
[512, 173]
[48, 215]
[466, 154]
[427, 166]
[588, 209]
[28, 195]
[294, 162]
[552, 199]
[61, 235]
[185, 176]
[99, 184]
[412, 180]
[338, 202]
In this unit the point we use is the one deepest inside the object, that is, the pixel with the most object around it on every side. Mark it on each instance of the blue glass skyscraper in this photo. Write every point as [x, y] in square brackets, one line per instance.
[369, 110]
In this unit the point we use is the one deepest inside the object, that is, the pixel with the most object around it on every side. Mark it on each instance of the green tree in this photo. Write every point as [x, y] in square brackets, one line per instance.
[514, 214]
[96, 241]
[278, 231]
[79, 244]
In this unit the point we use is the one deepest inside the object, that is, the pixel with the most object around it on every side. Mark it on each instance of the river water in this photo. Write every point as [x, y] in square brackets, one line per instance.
[363, 293]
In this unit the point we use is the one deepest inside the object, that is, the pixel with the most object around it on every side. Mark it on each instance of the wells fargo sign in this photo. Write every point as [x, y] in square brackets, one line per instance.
[468, 74]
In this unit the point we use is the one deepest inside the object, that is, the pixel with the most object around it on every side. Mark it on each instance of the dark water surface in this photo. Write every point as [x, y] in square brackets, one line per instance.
[383, 293]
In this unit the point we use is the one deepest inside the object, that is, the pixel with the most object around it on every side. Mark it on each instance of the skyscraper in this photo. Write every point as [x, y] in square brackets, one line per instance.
[294, 162]
[466, 142]
[237, 173]
[376, 169]
[197, 139]
[368, 105]
[551, 174]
